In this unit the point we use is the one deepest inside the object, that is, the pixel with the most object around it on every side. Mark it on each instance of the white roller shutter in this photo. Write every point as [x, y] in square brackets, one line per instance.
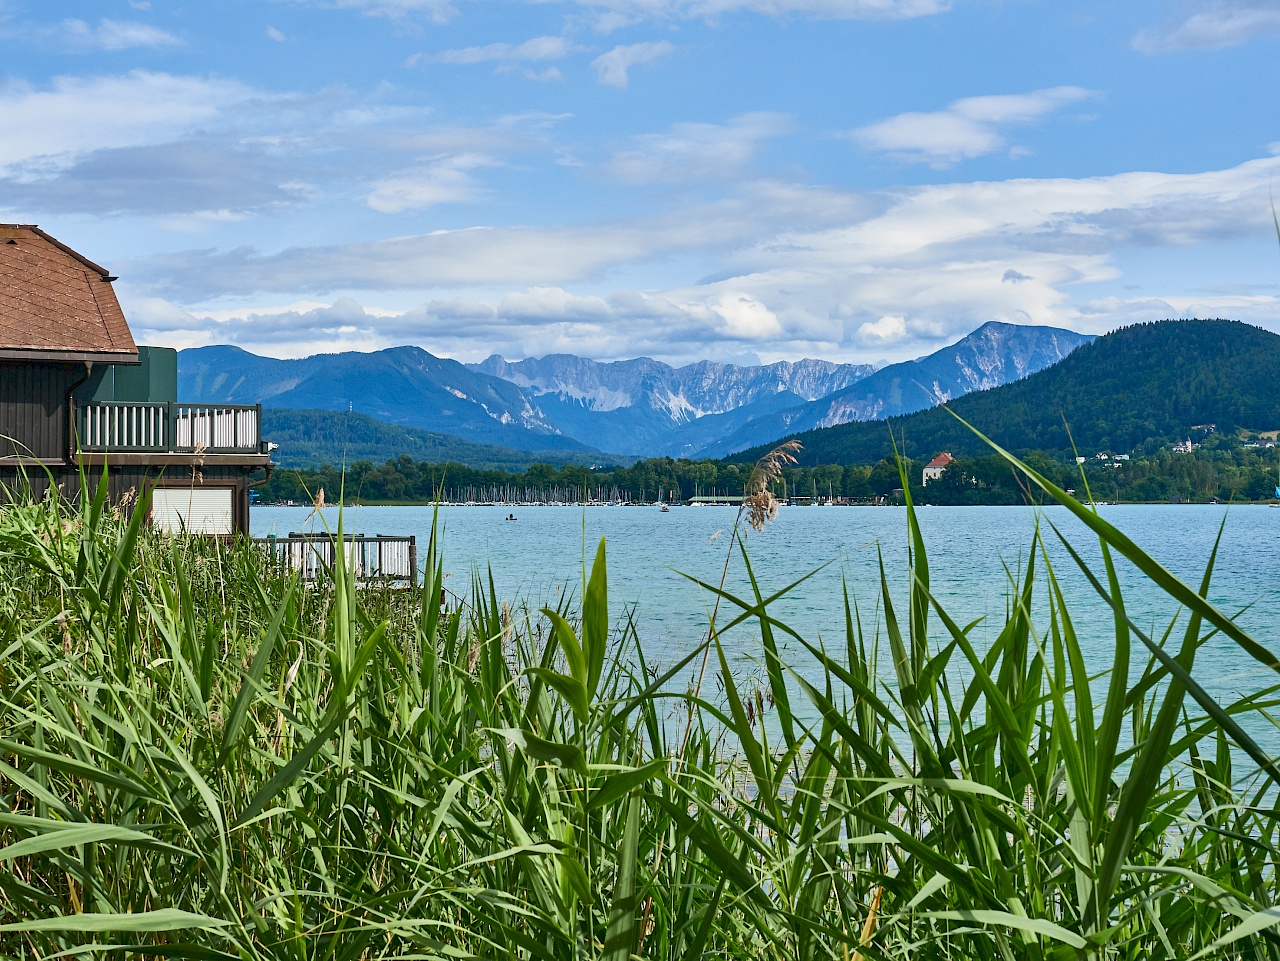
[196, 510]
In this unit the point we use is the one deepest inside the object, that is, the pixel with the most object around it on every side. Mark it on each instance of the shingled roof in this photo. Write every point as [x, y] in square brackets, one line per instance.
[56, 304]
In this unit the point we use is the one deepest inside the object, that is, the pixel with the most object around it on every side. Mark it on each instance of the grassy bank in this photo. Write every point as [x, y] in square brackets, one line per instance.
[201, 758]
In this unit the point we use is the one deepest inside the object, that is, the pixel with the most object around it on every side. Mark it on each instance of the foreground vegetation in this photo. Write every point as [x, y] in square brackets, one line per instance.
[201, 758]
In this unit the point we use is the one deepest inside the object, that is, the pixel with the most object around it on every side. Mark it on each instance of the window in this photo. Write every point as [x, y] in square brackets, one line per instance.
[196, 510]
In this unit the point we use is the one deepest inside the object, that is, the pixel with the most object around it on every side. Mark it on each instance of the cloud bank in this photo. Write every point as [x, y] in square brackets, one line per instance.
[968, 128]
[1225, 23]
[612, 14]
[807, 271]
[697, 151]
[114, 35]
[611, 68]
[47, 128]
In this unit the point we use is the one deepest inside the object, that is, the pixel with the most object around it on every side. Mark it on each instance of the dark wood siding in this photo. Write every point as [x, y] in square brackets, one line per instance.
[126, 483]
[32, 408]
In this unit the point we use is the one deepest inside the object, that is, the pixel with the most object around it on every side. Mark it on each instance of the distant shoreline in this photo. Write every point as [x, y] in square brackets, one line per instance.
[508, 505]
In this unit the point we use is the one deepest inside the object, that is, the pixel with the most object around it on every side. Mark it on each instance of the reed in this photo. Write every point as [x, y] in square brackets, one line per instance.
[202, 758]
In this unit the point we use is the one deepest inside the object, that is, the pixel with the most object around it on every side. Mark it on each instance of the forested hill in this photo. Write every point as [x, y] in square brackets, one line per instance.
[1136, 387]
[310, 438]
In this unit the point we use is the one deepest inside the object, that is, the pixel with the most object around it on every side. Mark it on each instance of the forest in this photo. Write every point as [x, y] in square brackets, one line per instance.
[1134, 390]
[1220, 469]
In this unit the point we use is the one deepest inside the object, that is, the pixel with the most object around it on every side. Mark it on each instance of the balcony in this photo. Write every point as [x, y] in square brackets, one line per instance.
[169, 428]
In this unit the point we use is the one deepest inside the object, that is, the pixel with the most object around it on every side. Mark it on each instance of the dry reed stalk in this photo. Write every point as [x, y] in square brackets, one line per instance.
[869, 926]
[761, 507]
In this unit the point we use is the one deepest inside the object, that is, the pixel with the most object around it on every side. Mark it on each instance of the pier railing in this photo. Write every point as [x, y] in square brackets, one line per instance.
[128, 427]
[369, 558]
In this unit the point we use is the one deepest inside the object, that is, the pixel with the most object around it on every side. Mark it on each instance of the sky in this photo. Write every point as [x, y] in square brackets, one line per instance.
[736, 180]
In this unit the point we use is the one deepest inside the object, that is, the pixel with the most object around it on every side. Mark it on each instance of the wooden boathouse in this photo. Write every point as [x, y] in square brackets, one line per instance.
[77, 393]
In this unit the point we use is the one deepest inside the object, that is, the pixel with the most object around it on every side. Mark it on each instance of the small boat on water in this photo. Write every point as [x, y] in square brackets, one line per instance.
[666, 509]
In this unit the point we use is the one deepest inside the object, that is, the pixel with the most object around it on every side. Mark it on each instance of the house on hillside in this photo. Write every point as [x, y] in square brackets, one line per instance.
[933, 470]
[77, 392]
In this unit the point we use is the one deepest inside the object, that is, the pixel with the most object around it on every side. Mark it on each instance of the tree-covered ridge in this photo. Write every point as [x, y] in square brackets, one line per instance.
[661, 478]
[1167, 476]
[1135, 389]
[1222, 469]
[311, 438]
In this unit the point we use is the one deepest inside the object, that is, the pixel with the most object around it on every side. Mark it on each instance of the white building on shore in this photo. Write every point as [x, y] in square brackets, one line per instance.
[933, 470]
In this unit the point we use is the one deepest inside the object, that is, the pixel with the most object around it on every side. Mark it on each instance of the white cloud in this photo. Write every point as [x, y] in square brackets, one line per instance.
[46, 128]
[967, 128]
[1224, 23]
[544, 76]
[438, 11]
[443, 181]
[610, 15]
[886, 330]
[298, 329]
[830, 9]
[691, 151]
[545, 303]
[114, 35]
[612, 67]
[200, 221]
[537, 49]
[276, 35]
[745, 318]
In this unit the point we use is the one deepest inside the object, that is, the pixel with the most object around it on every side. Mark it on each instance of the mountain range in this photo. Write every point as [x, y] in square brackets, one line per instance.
[649, 408]
[402, 385]
[992, 355]
[575, 406]
[1133, 389]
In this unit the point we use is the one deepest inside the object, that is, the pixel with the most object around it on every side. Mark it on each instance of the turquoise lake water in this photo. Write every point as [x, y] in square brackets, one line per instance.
[540, 554]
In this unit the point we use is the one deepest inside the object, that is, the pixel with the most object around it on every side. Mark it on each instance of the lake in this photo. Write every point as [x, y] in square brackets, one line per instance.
[540, 555]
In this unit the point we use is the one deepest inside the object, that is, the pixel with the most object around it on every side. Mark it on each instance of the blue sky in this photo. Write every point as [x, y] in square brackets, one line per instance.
[860, 180]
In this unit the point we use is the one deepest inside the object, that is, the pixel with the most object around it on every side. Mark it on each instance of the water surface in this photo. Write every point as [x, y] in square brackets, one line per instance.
[971, 550]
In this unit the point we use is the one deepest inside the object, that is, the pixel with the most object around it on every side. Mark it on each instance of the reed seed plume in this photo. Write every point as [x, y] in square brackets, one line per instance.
[318, 506]
[197, 462]
[760, 505]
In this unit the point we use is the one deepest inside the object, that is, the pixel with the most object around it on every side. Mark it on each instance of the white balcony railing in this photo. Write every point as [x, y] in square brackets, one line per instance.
[368, 558]
[125, 427]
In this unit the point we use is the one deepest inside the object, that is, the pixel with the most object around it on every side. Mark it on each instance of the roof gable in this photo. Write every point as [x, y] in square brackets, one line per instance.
[57, 304]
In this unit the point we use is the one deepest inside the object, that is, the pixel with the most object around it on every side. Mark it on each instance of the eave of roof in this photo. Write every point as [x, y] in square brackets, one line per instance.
[72, 356]
[101, 271]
